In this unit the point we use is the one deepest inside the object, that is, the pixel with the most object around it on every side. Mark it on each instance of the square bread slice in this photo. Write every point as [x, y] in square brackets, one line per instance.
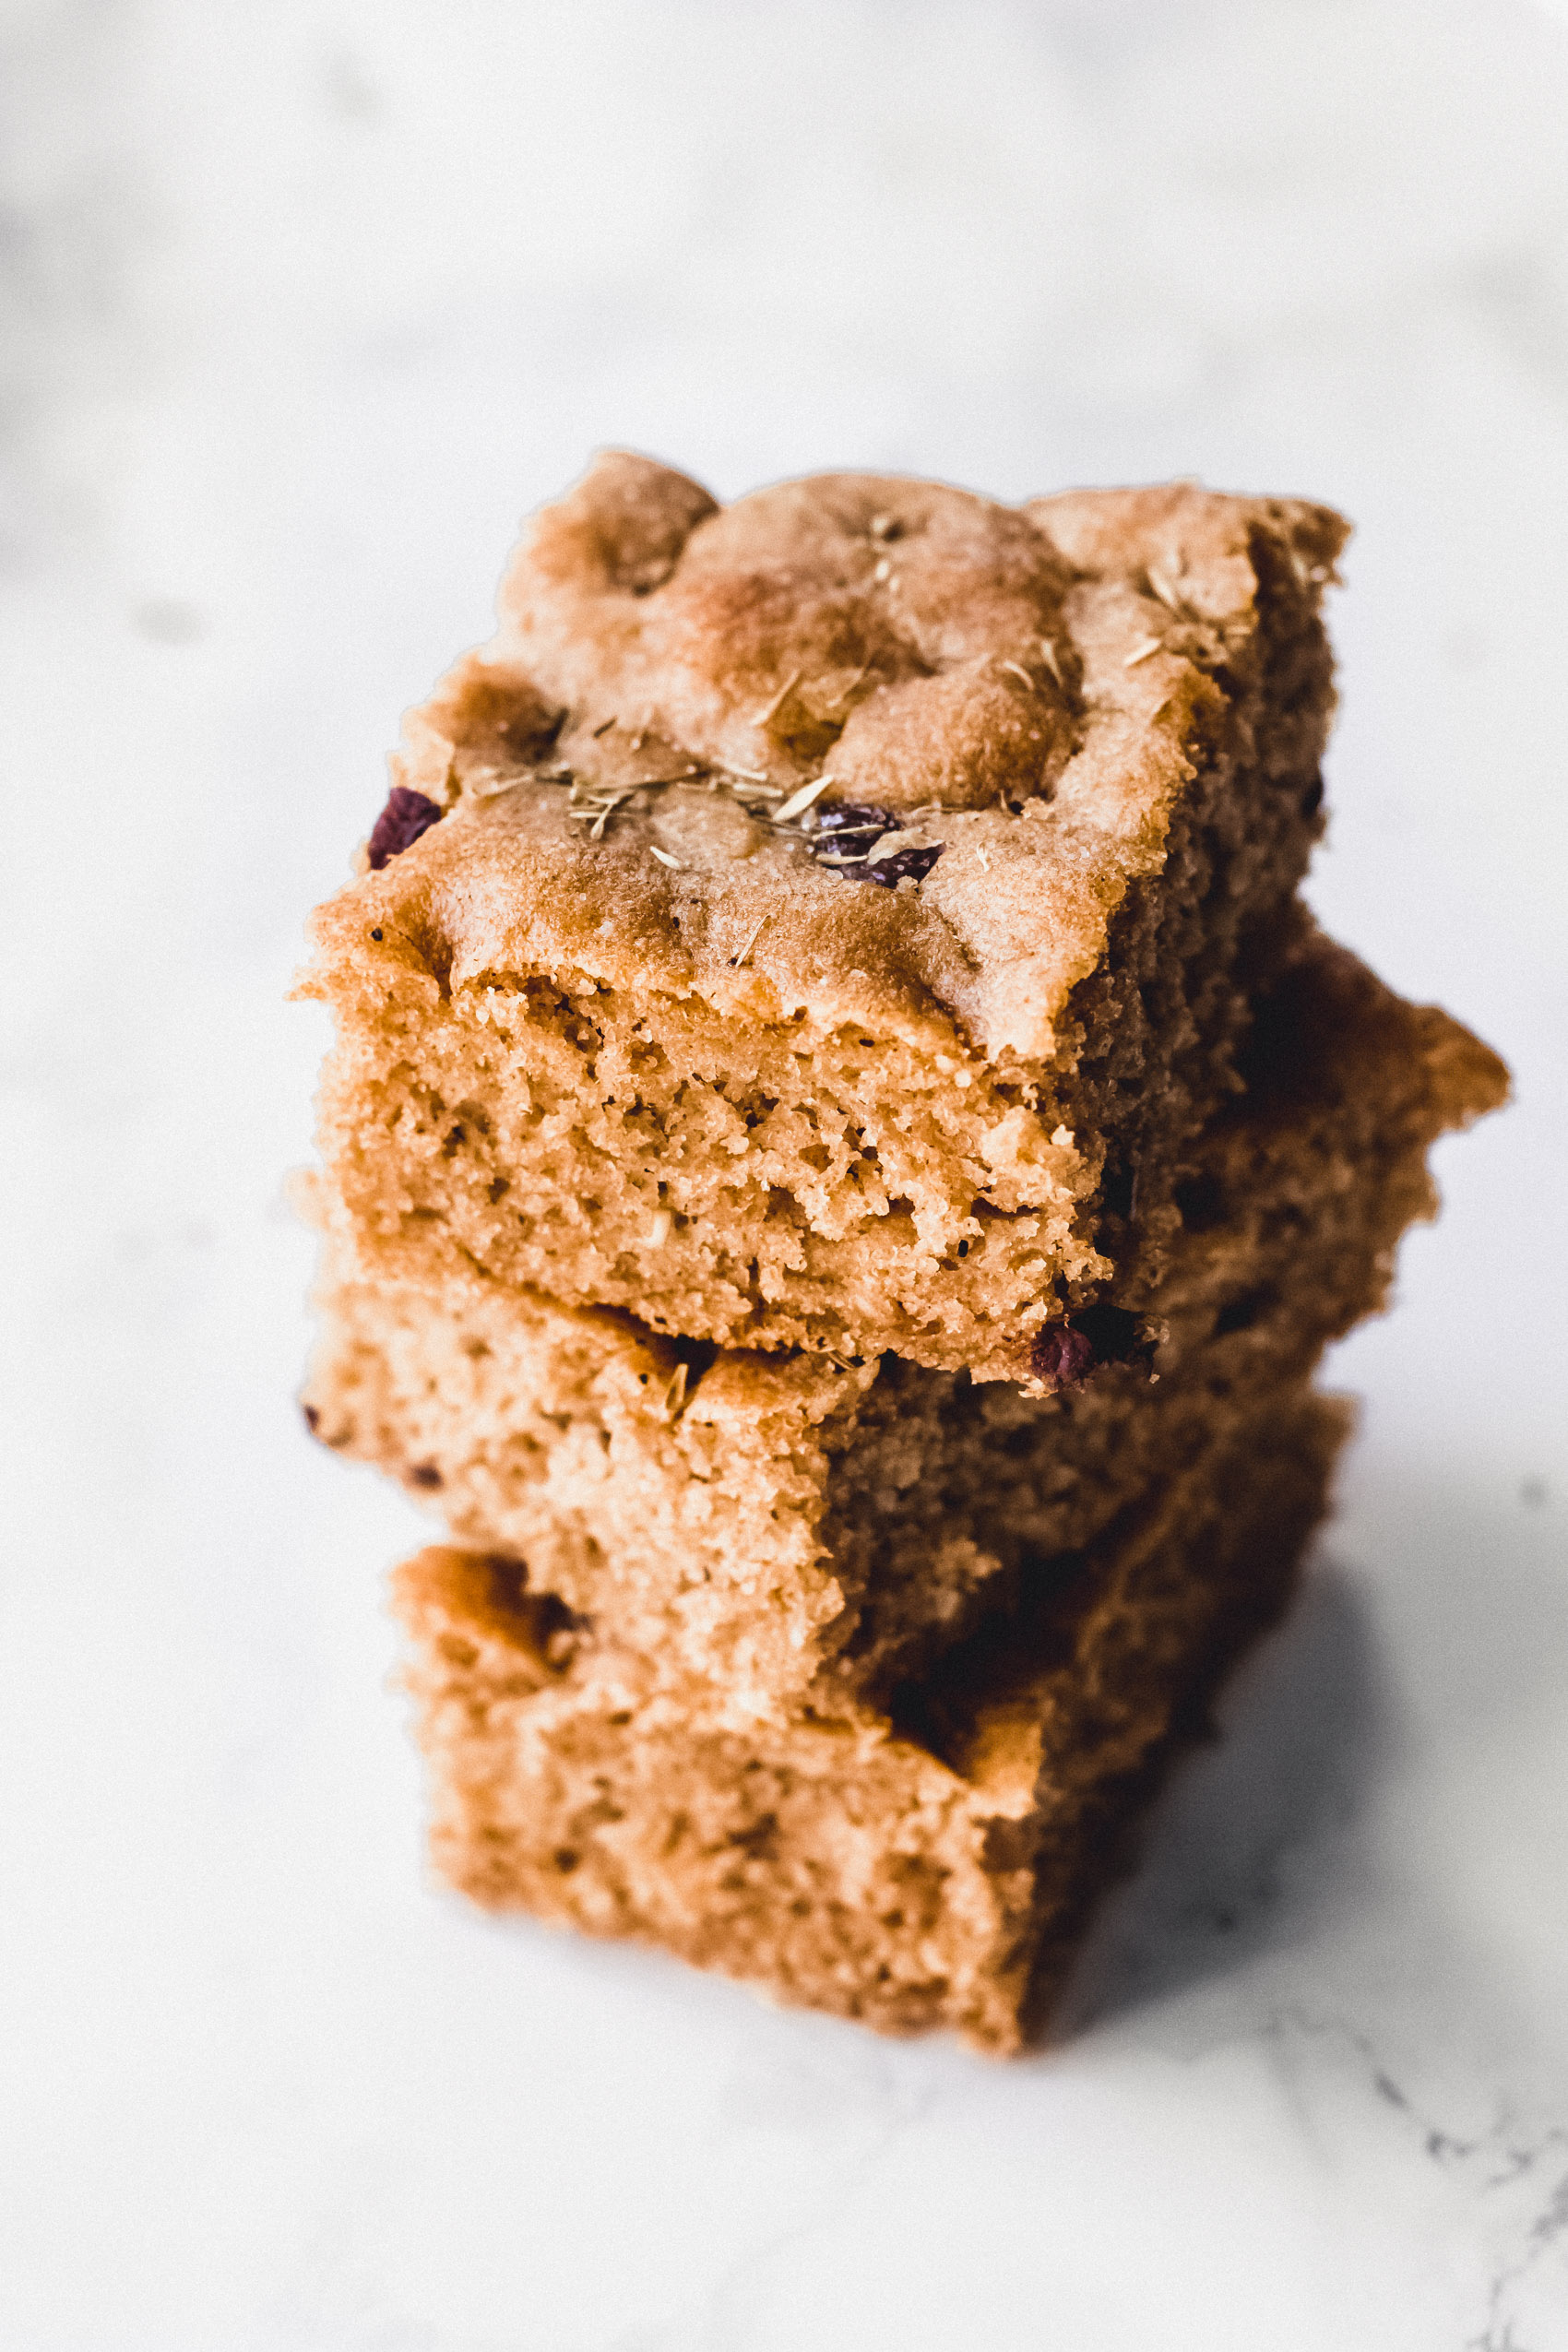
[827, 920]
[797, 1527]
[931, 1868]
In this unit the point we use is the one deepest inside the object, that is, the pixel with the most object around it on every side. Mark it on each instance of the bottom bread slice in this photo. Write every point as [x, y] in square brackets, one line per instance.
[929, 1867]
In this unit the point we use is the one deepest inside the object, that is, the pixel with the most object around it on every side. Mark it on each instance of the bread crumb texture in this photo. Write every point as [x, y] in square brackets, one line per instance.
[795, 1526]
[631, 1024]
[930, 1865]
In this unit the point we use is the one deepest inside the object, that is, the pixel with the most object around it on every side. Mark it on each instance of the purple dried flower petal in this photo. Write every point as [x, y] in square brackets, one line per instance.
[405, 817]
[1065, 1353]
[1061, 1356]
[916, 863]
[855, 816]
[851, 829]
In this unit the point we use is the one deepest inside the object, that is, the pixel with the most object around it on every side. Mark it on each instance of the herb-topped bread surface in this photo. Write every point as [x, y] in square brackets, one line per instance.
[827, 920]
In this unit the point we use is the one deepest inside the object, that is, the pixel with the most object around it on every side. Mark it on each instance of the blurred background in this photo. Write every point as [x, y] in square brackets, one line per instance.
[302, 306]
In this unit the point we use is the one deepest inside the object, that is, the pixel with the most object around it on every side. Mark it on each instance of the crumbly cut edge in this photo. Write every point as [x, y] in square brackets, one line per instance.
[753, 1515]
[791, 1529]
[749, 1185]
[501, 919]
[916, 1882]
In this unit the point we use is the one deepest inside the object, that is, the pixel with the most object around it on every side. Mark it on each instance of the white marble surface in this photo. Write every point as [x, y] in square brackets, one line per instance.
[305, 305]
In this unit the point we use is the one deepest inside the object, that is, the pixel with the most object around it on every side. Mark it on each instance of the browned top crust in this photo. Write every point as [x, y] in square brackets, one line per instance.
[1032, 688]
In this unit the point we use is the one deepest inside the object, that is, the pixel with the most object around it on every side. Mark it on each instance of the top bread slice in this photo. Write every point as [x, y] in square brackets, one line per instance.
[827, 921]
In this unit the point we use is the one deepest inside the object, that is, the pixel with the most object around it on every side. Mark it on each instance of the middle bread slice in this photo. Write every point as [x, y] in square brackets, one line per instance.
[806, 1533]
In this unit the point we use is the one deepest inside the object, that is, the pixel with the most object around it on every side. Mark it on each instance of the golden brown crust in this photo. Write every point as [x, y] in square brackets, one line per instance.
[917, 644]
[856, 615]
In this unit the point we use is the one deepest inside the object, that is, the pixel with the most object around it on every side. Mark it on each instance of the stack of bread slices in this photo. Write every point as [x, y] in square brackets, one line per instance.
[842, 1154]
